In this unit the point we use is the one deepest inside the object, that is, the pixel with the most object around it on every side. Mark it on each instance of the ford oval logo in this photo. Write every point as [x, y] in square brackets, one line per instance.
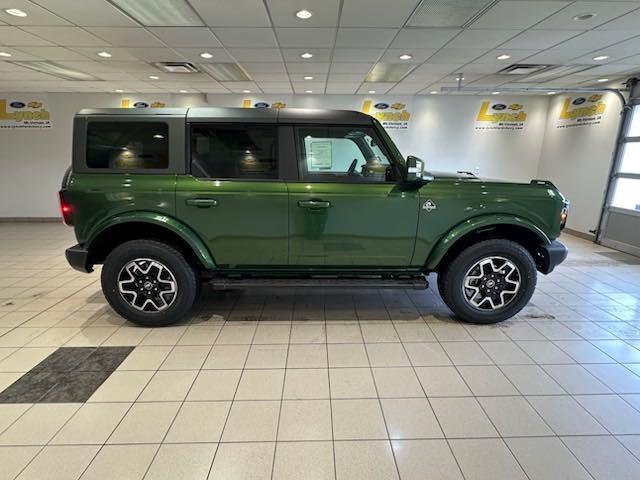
[261, 105]
[141, 104]
[381, 106]
[499, 106]
[579, 101]
[17, 105]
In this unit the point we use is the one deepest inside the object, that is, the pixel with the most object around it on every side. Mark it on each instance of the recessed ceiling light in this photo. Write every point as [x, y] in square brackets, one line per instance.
[495, 93]
[206, 55]
[104, 54]
[308, 91]
[304, 14]
[433, 92]
[308, 77]
[405, 56]
[183, 91]
[372, 91]
[154, 77]
[118, 90]
[600, 57]
[306, 55]
[504, 57]
[5, 54]
[15, 12]
[459, 78]
[584, 16]
[551, 93]
[246, 91]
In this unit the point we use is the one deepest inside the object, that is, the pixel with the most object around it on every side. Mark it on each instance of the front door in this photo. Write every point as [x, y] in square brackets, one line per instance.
[349, 210]
[234, 198]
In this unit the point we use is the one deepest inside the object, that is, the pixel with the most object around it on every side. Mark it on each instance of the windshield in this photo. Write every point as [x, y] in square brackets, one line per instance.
[390, 144]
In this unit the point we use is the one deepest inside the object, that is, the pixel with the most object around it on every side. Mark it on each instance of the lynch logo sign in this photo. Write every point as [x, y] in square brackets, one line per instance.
[28, 113]
[500, 116]
[581, 111]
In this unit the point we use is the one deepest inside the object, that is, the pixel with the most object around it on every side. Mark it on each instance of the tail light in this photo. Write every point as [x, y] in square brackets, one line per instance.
[66, 211]
[563, 215]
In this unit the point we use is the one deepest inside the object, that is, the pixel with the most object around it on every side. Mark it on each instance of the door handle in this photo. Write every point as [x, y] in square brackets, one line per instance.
[202, 202]
[313, 204]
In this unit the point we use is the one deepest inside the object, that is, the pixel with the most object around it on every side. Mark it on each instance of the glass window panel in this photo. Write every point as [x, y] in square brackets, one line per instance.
[634, 128]
[626, 194]
[630, 158]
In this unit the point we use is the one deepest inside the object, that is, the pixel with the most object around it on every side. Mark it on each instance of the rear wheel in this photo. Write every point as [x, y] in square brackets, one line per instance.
[488, 282]
[148, 282]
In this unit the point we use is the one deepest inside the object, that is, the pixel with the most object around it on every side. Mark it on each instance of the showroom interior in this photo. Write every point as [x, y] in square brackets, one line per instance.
[308, 381]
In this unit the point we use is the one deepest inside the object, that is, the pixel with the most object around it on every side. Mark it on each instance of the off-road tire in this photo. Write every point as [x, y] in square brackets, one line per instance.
[451, 280]
[184, 274]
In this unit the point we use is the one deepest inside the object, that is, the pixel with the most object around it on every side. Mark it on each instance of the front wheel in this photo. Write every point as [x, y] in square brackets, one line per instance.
[149, 283]
[488, 282]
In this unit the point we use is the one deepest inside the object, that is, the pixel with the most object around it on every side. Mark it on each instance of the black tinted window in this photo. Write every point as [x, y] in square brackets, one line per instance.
[230, 151]
[127, 145]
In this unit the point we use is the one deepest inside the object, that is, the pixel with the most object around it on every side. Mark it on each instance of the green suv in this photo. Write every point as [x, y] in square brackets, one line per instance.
[169, 198]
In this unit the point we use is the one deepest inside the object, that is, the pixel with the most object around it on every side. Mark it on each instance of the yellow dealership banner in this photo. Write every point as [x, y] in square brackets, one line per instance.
[392, 115]
[581, 111]
[24, 113]
[497, 116]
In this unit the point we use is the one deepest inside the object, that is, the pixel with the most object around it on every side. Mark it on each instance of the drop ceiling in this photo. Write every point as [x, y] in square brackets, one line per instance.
[356, 44]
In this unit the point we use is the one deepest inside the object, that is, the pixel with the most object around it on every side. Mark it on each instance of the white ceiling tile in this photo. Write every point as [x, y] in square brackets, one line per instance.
[270, 77]
[347, 77]
[342, 88]
[238, 87]
[13, 36]
[365, 37]
[540, 39]
[92, 14]
[214, 87]
[298, 77]
[35, 14]
[256, 54]
[301, 87]
[456, 55]
[484, 68]
[127, 36]
[613, 68]
[275, 87]
[555, 56]
[423, 77]
[90, 66]
[263, 67]
[630, 21]
[235, 13]
[604, 12]
[186, 36]
[319, 54]
[53, 53]
[597, 39]
[357, 54]
[588, 59]
[351, 67]
[19, 55]
[441, 68]
[376, 13]
[424, 37]
[325, 13]
[306, 37]
[118, 54]
[405, 88]
[378, 87]
[515, 55]
[246, 37]
[193, 55]
[518, 14]
[630, 46]
[304, 67]
[418, 55]
[147, 54]
[481, 38]
[67, 36]
[129, 67]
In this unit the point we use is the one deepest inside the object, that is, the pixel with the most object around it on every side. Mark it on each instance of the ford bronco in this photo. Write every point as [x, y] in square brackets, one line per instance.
[169, 198]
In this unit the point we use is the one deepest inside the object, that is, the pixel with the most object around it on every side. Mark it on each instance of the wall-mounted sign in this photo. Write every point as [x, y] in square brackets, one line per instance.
[127, 103]
[581, 111]
[24, 113]
[248, 103]
[497, 116]
[392, 115]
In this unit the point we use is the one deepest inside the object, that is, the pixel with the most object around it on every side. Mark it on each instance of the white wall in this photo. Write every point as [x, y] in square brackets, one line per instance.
[578, 160]
[442, 132]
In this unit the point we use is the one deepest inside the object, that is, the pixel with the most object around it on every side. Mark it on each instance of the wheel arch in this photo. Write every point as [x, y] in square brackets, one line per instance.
[148, 225]
[487, 227]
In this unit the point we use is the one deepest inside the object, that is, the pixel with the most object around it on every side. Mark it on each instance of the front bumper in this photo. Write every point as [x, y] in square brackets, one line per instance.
[551, 256]
[78, 258]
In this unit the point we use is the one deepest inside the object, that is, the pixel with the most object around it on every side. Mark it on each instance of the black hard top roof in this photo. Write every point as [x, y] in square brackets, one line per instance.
[243, 115]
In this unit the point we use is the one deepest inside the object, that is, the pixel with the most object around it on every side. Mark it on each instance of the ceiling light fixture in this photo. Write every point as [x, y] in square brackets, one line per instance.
[459, 78]
[504, 57]
[433, 92]
[15, 12]
[118, 90]
[307, 77]
[304, 14]
[246, 91]
[495, 93]
[405, 56]
[551, 93]
[57, 70]
[372, 91]
[183, 91]
[206, 55]
[5, 54]
[584, 16]
[602, 80]
[160, 13]
[104, 54]
[306, 55]
[154, 77]
[308, 91]
[600, 57]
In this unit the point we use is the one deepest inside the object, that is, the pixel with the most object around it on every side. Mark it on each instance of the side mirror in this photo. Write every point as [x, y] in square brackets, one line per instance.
[415, 169]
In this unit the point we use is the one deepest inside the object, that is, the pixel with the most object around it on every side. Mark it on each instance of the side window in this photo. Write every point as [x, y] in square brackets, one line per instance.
[345, 154]
[234, 151]
[127, 145]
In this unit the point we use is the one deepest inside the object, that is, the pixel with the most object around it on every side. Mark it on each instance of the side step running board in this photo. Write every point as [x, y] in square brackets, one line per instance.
[416, 283]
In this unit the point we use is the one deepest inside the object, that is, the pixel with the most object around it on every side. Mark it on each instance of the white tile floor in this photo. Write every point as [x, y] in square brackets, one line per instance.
[323, 384]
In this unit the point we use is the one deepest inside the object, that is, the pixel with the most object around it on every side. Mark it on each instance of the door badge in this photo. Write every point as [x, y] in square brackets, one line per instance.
[428, 205]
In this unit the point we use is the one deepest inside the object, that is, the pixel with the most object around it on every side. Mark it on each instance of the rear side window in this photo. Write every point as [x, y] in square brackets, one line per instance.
[234, 151]
[128, 145]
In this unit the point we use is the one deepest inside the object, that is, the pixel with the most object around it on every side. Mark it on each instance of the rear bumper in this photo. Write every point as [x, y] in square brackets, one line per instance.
[78, 258]
[551, 256]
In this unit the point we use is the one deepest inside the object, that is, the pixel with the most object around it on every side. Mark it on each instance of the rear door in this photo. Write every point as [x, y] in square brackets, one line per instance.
[234, 197]
[350, 209]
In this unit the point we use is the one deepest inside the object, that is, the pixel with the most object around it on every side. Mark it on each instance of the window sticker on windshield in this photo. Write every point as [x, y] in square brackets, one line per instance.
[320, 153]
